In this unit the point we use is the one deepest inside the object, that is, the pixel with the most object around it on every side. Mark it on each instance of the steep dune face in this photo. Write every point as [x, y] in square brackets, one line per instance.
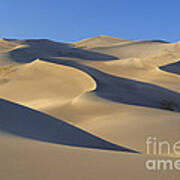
[120, 123]
[152, 70]
[118, 91]
[35, 125]
[28, 50]
[41, 84]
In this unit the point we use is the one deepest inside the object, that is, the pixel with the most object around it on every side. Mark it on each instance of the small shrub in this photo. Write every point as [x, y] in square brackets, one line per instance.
[168, 105]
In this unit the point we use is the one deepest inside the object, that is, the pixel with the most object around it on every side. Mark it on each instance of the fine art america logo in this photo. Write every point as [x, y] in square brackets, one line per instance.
[154, 146]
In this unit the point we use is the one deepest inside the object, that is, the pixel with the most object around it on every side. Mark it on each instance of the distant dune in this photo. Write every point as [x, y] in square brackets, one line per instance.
[83, 110]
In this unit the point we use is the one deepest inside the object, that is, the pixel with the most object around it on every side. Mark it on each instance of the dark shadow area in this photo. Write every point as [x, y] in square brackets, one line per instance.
[124, 90]
[155, 41]
[25, 122]
[35, 49]
[172, 68]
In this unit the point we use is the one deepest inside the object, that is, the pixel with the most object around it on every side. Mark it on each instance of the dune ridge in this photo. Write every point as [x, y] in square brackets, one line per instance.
[74, 99]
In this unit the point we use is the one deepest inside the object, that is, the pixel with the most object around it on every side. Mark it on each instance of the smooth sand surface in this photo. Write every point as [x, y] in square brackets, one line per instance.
[83, 110]
[27, 159]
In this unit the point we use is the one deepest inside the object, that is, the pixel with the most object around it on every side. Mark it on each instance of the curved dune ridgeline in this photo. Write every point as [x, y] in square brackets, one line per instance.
[84, 110]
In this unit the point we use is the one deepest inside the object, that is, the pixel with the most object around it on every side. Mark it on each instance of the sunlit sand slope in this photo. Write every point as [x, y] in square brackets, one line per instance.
[84, 110]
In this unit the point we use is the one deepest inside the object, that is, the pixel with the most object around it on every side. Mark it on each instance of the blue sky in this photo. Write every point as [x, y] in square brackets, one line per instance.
[72, 20]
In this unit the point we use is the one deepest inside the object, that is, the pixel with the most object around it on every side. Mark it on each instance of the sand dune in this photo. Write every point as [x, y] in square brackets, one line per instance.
[135, 49]
[35, 125]
[29, 50]
[82, 110]
[100, 41]
[45, 83]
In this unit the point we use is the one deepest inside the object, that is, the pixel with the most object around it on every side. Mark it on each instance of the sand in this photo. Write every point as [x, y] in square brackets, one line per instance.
[84, 110]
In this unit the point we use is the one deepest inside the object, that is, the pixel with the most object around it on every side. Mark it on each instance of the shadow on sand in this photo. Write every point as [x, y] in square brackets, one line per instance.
[172, 68]
[25, 122]
[124, 90]
[39, 49]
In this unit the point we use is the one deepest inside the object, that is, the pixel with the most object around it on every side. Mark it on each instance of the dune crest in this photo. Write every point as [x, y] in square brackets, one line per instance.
[61, 103]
